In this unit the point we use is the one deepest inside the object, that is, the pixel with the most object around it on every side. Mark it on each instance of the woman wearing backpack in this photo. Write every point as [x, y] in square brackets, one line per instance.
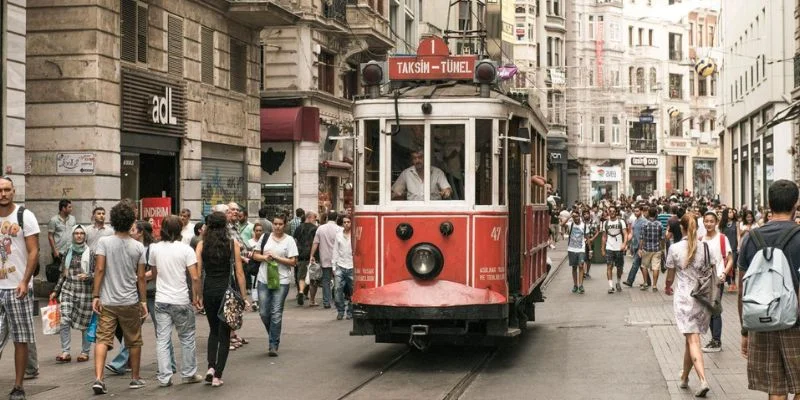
[687, 258]
[720, 247]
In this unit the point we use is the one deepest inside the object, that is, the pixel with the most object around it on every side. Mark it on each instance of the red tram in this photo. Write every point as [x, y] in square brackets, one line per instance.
[450, 236]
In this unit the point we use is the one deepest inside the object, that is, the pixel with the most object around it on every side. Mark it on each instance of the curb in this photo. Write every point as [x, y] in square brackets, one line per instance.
[553, 273]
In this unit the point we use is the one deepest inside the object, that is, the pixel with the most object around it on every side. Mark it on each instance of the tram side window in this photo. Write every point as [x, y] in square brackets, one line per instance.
[502, 165]
[483, 162]
[408, 163]
[447, 162]
[372, 155]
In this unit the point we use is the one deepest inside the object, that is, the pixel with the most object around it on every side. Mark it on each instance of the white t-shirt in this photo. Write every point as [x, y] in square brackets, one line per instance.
[284, 248]
[715, 248]
[615, 231]
[577, 233]
[343, 252]
[187, 233]
[701, 229]
[13, 252]
[171, 260]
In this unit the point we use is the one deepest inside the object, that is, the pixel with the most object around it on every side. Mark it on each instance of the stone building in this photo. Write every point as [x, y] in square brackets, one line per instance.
[140, 99]
[12, 92]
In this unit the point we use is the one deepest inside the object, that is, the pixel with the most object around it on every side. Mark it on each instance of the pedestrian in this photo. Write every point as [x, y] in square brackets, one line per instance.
[187, 232]
[576, 250]
[635, 230]
[592, 232]
[614, 244]
[692, 318]
[304, 237]
[773, 358]
[262, 217]
[74, 294]
[20, 242]
[252, 266]
[119, 294]
[299, 218]
[199, 229]
[343, 269]
[244, 227]
[232, 213]
[325, 240]
[729, 226]
[720, 246]
[59, 229]
[98, 228]
[651, 237]
[277, 257]
[748, 223]
[219, 260]
[170, 260]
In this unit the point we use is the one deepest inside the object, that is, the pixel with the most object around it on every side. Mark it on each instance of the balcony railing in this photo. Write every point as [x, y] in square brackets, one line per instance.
[644, 145]
[336, 10]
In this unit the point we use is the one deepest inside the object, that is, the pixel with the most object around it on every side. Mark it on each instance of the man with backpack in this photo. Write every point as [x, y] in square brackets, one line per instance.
[614, 244]
[576, 250]
[768, 286]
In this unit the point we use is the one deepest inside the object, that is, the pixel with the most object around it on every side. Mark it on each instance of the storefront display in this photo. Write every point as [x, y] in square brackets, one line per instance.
[605, 182]
[703, 176]
[643, 175]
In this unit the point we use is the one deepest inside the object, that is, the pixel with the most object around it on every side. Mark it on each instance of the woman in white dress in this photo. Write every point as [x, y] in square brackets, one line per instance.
[687, 258]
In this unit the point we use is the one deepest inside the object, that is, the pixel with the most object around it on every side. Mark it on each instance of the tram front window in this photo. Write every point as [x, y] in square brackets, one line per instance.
[446, 175]
[447, 156]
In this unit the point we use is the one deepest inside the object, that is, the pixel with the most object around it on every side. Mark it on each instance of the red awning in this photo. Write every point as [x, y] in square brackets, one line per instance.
[290, 124]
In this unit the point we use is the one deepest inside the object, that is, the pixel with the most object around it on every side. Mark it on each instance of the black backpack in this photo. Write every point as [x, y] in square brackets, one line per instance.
[21, 222]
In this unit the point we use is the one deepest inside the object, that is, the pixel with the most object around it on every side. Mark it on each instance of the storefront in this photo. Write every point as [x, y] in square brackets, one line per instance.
[605, 182]
[277, 190]
[557, 170]
[153, 124]
[642, 176]
[703, 177]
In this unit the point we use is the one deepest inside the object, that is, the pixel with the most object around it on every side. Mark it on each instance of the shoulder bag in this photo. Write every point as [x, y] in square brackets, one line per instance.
[231, 311]
[706, 290]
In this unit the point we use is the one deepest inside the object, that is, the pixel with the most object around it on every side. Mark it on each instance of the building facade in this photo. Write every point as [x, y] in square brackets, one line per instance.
[757, 79]
[12, 92]
[309, 77]
[144, 99]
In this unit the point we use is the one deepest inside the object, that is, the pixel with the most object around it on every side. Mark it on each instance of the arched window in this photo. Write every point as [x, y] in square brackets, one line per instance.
[640, 80]
[653, 79]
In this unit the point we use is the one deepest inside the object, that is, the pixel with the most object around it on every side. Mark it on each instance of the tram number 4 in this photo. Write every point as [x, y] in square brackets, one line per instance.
[496, 233]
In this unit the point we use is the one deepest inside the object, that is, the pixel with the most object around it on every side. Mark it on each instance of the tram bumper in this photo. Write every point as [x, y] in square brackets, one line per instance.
[436, 309]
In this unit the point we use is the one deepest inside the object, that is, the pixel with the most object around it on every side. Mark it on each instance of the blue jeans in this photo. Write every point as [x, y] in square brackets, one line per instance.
[716, 320]
[637, 262]
[66, 339]
[344, 289]
[270, 307]
[326, 286]
[182, 318]
[151, 309]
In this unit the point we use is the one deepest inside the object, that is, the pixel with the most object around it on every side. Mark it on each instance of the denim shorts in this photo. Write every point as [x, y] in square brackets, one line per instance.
[576, 258]
[615, 258]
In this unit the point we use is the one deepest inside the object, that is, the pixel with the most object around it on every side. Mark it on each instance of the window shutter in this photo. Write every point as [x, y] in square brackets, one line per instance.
[238, 66]
[142, 22]
[175, 45]
[207, 55]
[127, 28]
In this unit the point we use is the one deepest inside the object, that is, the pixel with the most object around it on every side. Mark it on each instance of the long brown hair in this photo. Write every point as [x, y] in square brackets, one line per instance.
[689, 225]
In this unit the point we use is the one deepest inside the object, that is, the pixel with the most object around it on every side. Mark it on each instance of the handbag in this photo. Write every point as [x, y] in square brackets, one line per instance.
[231, 311]
[706, 290]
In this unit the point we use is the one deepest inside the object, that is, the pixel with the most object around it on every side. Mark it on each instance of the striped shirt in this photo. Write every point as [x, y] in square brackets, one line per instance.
[664, 219]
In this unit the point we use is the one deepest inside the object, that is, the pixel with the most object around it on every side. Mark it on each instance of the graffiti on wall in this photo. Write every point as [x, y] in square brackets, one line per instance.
[219, 189]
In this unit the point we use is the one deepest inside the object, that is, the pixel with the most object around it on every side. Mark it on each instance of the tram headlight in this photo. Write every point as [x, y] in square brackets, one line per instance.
[424, 261]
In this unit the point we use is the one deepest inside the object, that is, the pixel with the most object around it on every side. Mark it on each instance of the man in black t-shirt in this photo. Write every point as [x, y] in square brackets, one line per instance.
[304, 236]
[773, 358]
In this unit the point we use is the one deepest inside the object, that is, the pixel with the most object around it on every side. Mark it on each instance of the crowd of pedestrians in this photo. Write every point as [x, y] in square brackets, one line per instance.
[110, 277]
[700, 246]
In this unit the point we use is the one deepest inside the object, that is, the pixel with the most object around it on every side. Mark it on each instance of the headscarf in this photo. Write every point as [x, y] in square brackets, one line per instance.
[79, 249]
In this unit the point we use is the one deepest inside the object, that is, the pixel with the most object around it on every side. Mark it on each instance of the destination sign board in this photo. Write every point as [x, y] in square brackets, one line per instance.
[432, 62]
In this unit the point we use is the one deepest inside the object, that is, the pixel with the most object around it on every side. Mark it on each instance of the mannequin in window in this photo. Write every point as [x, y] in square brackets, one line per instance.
[409, 185]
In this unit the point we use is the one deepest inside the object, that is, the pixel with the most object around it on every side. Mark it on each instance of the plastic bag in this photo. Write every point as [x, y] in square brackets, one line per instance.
[314, 272]
[273, 275]
[308, 277]
[51, 318]
[91, 330]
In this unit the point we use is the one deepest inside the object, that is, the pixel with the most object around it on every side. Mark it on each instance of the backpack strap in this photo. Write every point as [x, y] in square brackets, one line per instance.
[760, 244]
[263, 242]
[21, 219]
[787, 236]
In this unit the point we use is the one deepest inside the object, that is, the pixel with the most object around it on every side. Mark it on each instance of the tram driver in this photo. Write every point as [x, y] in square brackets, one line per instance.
[409, 185]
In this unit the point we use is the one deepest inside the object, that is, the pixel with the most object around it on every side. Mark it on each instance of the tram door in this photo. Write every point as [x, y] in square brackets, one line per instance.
[516, 195]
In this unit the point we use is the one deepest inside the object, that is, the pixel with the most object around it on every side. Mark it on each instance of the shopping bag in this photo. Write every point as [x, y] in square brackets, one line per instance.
[273, 275]
[51, 318]
[91, 330]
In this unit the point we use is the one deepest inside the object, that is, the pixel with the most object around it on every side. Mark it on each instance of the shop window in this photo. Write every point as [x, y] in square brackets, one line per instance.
[325, 72]
[408, 162]
[372, 155]
[447, 162]
[238, 66]
[175, 45]
[133, 31]
[483, 162]
[207, 55]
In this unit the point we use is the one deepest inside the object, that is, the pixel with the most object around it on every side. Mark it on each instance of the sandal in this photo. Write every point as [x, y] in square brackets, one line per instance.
[83, 357]
[64, 358]
[242, 340]
[232, 348]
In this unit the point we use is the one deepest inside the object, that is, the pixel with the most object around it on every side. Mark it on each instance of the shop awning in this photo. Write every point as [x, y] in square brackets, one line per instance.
[287, 124]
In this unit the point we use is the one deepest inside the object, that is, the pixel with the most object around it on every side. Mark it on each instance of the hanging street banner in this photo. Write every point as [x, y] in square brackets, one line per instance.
[433, 62]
